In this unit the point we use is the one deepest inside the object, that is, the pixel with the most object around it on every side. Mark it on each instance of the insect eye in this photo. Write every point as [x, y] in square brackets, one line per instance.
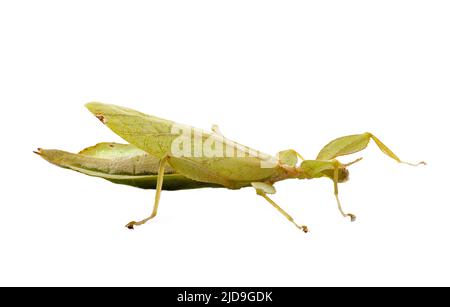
[343, 175]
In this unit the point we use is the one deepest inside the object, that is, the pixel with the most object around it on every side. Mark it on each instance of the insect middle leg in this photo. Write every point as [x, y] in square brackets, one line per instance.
[286, 215]
[159, 183]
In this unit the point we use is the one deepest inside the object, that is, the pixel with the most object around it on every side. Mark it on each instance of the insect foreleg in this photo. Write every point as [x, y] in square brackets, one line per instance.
[389, 152]
[336, 192]
[159, 183]
[262, 189]
[354, 143]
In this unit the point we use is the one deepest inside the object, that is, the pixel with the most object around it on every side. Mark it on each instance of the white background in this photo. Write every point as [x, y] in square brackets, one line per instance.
[273, 75]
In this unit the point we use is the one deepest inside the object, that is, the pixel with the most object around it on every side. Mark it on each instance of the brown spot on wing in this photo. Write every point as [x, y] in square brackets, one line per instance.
[101, 118]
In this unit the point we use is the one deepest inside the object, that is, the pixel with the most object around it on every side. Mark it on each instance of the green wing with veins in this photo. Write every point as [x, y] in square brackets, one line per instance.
[156, 135]
[122, 164]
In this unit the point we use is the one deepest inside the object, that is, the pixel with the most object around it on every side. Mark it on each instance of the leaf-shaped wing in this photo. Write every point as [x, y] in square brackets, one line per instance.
[120, 163]
[157, 136]
[149, 133]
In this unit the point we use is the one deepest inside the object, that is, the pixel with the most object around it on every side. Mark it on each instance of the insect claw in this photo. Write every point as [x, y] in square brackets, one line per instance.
[415, 164]
[352, 217]
[130, 225]
[303, 228]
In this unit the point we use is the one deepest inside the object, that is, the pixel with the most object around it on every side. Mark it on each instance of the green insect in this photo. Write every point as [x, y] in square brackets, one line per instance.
[164, 155]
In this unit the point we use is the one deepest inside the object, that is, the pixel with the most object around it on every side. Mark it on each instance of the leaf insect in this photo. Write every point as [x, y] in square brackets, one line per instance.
[164, 155]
